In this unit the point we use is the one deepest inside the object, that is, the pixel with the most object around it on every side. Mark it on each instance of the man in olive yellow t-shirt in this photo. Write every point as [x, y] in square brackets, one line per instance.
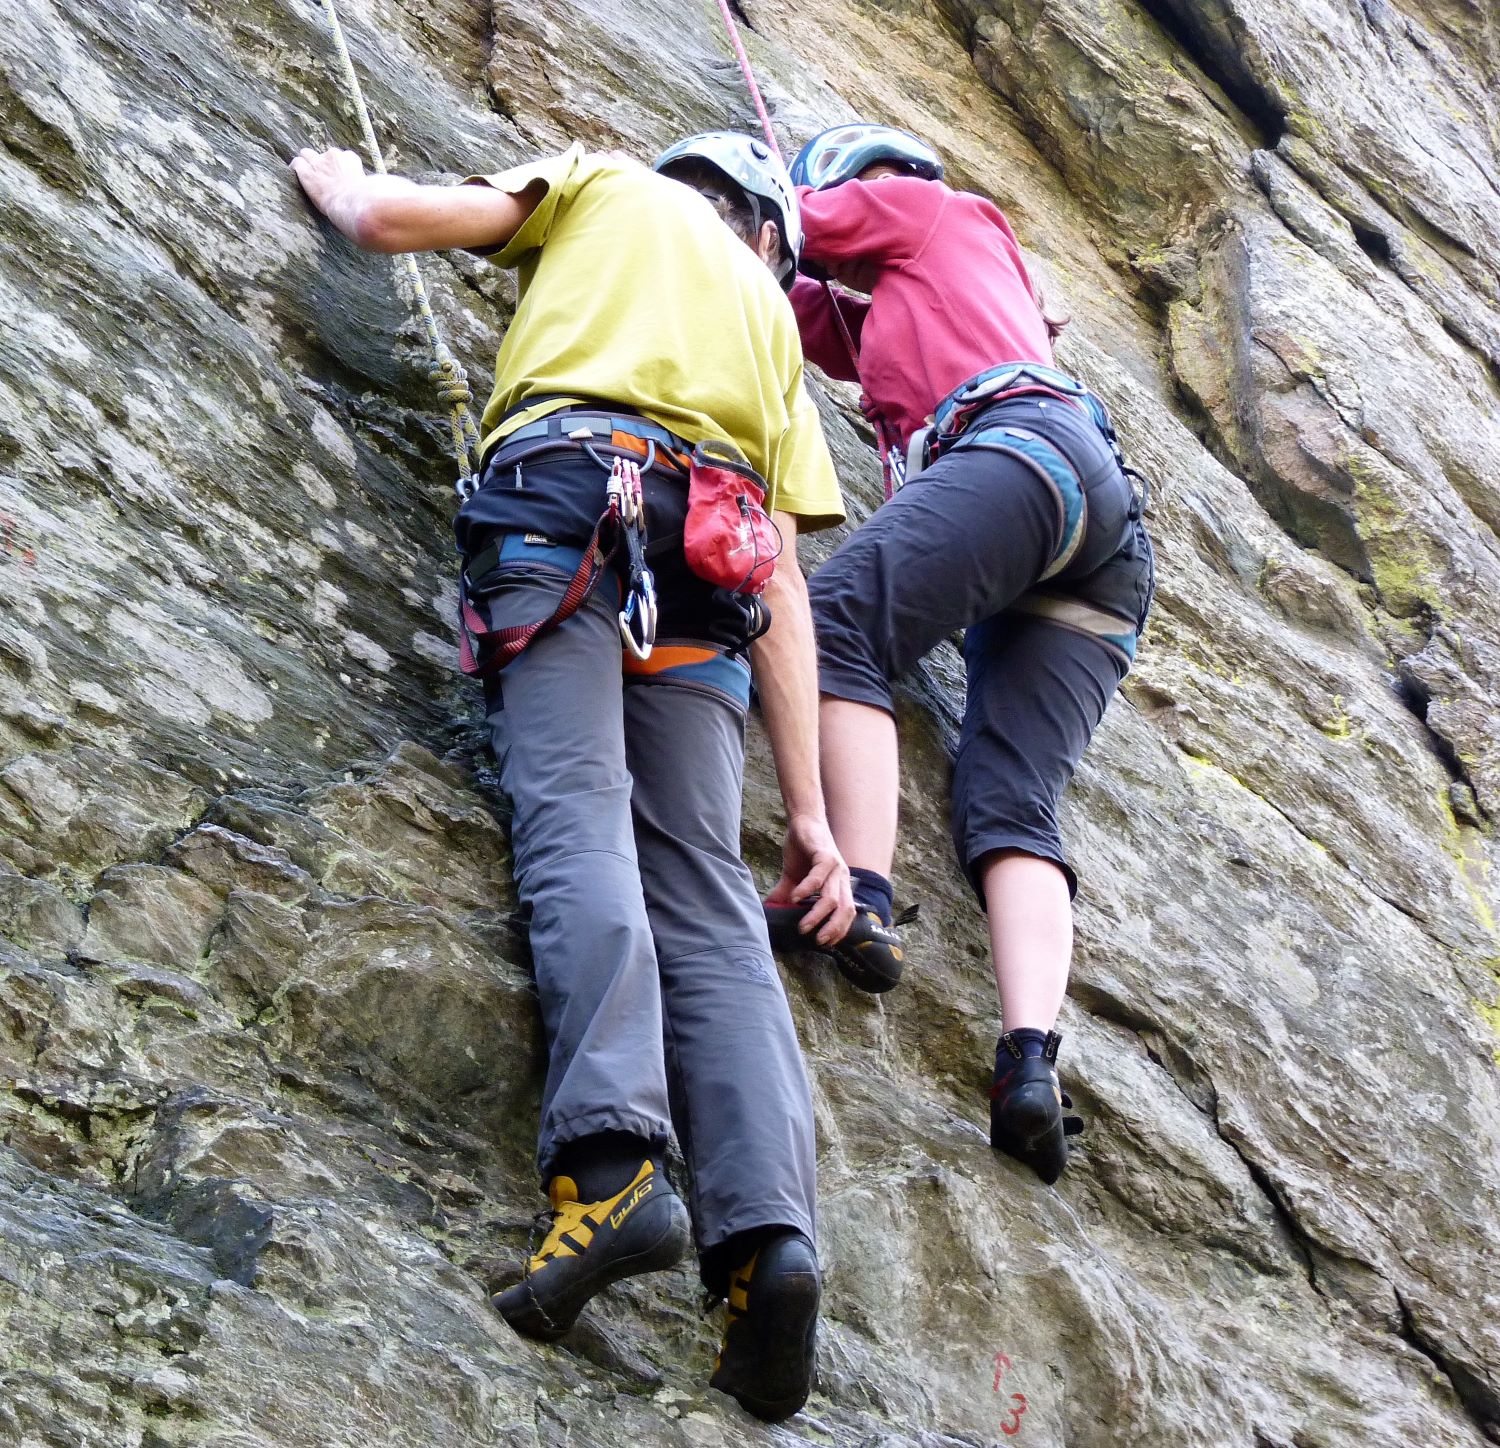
[643, 316]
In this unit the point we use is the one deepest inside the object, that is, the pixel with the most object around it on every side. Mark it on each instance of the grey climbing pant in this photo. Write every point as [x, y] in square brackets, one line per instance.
[662, 1004]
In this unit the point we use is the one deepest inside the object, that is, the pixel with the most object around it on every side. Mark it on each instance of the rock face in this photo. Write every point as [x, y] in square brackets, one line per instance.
[268, 1056]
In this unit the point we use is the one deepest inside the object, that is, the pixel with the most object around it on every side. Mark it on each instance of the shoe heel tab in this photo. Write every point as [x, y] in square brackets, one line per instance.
[561, 1189]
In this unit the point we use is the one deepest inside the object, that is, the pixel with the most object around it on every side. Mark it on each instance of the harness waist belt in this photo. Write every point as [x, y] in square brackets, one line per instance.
[572, 427]
[1011, 379]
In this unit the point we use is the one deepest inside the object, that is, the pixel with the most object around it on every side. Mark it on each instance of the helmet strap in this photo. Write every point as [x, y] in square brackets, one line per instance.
[755, 215]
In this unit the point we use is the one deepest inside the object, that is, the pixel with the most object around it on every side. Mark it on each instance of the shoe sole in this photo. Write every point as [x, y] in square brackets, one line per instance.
[860, 970]
[531, 1319]
[865, 972]
[790, 1301]
[1034, 1130]
[788, 1362]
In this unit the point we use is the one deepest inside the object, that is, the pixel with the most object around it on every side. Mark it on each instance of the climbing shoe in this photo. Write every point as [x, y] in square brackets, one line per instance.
[770, 1329]
[1026, 1108]
[642, 1228]
[869, 954]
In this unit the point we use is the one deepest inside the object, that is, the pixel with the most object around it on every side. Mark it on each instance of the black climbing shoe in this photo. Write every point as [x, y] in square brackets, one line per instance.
[770, 1329]
[1026, 1108]
[869, 954]
[592, 1244]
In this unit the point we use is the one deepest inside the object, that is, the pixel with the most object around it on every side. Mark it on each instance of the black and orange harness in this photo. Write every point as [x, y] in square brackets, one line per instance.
[624, 446]
[728, 539]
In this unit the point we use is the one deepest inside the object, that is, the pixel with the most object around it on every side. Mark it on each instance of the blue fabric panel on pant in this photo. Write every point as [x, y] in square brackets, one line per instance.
[518, 548]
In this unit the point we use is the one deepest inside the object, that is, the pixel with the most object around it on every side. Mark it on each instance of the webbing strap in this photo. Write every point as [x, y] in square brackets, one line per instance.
[483, 650]
[445, 371]
[1110, 629]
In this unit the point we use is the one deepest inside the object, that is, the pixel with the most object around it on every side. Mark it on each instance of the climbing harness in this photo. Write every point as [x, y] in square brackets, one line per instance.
[624, 447]
[955, 412]
[485, 650]
[445, 371]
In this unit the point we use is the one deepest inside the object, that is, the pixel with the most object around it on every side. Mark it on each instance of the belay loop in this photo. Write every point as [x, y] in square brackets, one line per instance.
[445, 371]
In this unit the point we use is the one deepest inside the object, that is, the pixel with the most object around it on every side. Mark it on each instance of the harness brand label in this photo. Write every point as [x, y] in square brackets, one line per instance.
[636, 1198]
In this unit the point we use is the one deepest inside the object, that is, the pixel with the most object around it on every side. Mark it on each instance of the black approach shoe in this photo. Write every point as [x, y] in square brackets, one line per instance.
[1026, 1108]
[592, 1244]
[869, 955]
[770, 1329]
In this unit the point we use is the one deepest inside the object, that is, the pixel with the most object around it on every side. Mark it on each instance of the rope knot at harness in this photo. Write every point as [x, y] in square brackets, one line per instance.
[451, 381]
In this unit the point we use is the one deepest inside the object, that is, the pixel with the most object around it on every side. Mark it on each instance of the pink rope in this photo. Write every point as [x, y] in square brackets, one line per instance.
[748, 71]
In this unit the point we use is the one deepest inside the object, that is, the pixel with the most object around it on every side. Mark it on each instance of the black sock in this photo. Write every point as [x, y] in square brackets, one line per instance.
[719, 1263]
[1031, 1041]
[873, 892]
[605, 1163]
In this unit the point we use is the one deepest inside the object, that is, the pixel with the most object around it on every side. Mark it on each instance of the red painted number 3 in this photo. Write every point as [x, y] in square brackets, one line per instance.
[1012, 1425]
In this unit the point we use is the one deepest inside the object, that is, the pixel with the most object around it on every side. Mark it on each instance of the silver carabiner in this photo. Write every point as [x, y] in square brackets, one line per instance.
[624, 491]
[638, 617]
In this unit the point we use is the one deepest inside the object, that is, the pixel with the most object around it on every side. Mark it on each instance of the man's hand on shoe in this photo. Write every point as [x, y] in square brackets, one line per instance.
[811, 865]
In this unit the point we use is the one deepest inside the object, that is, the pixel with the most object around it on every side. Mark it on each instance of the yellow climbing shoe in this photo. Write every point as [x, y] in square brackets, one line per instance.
[642, 1228]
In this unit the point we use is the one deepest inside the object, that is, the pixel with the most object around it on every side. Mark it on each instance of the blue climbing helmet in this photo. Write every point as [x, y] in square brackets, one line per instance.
[757, 170]
[840, 153]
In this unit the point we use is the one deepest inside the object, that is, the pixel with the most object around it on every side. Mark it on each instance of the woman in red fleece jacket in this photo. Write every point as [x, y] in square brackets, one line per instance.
[1022, 529]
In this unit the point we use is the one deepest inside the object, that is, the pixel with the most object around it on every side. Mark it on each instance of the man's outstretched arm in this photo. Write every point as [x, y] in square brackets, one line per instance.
[786, 678]
[390, 214]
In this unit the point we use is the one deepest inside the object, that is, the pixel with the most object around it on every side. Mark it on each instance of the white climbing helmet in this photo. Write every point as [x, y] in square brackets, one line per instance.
[758, 172]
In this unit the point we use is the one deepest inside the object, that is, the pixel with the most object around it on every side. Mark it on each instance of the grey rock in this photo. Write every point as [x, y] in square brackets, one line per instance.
[38, 916]
[151, 913]
[269, 1054]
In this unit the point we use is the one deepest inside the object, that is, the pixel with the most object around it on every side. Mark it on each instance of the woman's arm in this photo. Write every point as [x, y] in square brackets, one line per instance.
[823, 340]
